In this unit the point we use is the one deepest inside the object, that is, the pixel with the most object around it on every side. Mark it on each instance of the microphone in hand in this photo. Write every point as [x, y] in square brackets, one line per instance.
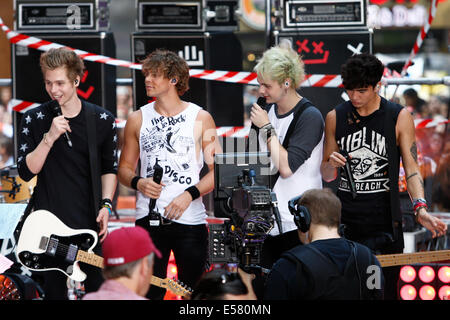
[57, 110]
[157, 176]
[261, 102]
[349, 174]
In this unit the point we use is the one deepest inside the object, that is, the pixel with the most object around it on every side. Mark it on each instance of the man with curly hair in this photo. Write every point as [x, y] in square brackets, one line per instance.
[179, 136]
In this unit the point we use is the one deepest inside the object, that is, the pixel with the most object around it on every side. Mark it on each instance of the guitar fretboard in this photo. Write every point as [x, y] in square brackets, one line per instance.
[389, 260]
[90, 258]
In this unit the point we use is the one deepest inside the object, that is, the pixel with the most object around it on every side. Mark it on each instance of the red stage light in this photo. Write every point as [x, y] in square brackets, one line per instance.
[427, 292]
[426, 274]
[408, 292]
[444, 293]
[444, 274]
[407, 274]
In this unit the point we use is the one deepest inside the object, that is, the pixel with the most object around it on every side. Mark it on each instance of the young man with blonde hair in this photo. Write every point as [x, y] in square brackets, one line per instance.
[291, 128]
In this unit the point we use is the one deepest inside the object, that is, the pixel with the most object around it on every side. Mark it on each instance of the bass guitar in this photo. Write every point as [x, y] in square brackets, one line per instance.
[46, 243]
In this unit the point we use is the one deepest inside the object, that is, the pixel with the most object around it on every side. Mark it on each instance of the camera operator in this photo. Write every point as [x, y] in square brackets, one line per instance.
[291, 129]
[328, 267]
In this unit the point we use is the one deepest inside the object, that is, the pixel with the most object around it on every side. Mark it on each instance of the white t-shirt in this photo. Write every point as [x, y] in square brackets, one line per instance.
[304, 156]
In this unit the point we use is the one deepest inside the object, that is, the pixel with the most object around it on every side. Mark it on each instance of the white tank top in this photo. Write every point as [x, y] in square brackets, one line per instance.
[170, 140]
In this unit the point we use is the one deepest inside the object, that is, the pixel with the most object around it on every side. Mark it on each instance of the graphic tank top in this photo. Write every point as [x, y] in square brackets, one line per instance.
[364, 139]
[171, 142]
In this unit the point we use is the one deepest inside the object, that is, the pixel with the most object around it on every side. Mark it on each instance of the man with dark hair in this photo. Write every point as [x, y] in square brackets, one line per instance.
[77, 177]
[374, 133]
[328, 267]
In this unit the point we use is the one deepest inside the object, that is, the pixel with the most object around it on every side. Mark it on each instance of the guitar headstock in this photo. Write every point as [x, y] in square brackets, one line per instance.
[176, 287]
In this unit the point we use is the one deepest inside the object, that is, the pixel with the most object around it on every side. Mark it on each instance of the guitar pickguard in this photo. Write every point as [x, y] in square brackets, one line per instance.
[59, 252]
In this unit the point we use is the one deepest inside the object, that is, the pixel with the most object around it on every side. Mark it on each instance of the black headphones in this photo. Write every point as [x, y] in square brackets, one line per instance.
[302, 217]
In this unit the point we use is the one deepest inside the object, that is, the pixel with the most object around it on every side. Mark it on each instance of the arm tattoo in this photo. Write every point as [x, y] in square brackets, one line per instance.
[413, 151]
[412, 175]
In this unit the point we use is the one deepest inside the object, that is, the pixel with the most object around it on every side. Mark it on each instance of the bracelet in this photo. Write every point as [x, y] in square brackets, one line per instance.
[134, 182]
[418, 206]
[268, 131]
[45, 140]
[194, 192]
[107, 203]
[109, 209]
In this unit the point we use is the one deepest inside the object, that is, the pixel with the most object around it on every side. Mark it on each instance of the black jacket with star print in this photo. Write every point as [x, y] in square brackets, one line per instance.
[64, 184]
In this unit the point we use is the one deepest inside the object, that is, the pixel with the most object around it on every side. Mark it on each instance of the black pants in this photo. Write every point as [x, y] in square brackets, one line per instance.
[189, 244]
[366, 235]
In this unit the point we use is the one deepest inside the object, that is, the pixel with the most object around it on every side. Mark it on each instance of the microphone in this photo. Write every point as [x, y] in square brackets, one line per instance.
[276, 212]
[261, 102]
[57, 110]
[157, 176]
[349, 174]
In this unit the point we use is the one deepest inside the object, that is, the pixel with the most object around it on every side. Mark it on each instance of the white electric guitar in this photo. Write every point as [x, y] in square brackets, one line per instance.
[46, 243]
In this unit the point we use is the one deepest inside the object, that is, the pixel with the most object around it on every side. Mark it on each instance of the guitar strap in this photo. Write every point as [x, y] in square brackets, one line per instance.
[305, 103]
[93, 151]
[26, 213]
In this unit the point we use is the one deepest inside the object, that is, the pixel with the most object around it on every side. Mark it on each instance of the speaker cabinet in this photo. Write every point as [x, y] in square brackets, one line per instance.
[210, 51]
[325, 53]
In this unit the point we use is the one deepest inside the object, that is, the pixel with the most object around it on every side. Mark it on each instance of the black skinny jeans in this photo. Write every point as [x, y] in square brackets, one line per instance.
[189, 244]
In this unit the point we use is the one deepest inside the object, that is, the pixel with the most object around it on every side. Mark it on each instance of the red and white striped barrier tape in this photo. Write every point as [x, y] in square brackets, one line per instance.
[235, 132]
[421, 36]
[317, 80]
[429, 123]
[225, 131]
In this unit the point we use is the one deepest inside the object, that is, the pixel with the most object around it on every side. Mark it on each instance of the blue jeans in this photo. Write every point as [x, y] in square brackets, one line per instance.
[189, 244]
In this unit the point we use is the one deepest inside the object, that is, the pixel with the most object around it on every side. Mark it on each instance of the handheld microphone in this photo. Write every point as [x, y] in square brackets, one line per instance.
[276, 212]
[261, 102]
[349, 174]
[157, 176]
[57, 110]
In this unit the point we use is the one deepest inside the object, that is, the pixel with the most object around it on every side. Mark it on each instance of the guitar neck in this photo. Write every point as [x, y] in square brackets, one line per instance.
[90, 258]
[158, 282]
[389, 260]
[97, 261]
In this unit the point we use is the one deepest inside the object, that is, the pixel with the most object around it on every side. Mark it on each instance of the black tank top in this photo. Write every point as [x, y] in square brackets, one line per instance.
[364, 139]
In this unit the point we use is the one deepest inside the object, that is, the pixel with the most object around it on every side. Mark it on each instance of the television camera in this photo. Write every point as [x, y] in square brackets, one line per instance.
[242, 190]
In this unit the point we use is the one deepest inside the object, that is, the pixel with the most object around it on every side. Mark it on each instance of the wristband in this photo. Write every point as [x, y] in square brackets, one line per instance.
[106, 203]
[268, 131]
[134, 182]
[194, 192]
[109, 209]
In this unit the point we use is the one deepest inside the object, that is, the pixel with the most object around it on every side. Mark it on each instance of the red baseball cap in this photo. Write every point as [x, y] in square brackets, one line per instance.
[126, 245]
